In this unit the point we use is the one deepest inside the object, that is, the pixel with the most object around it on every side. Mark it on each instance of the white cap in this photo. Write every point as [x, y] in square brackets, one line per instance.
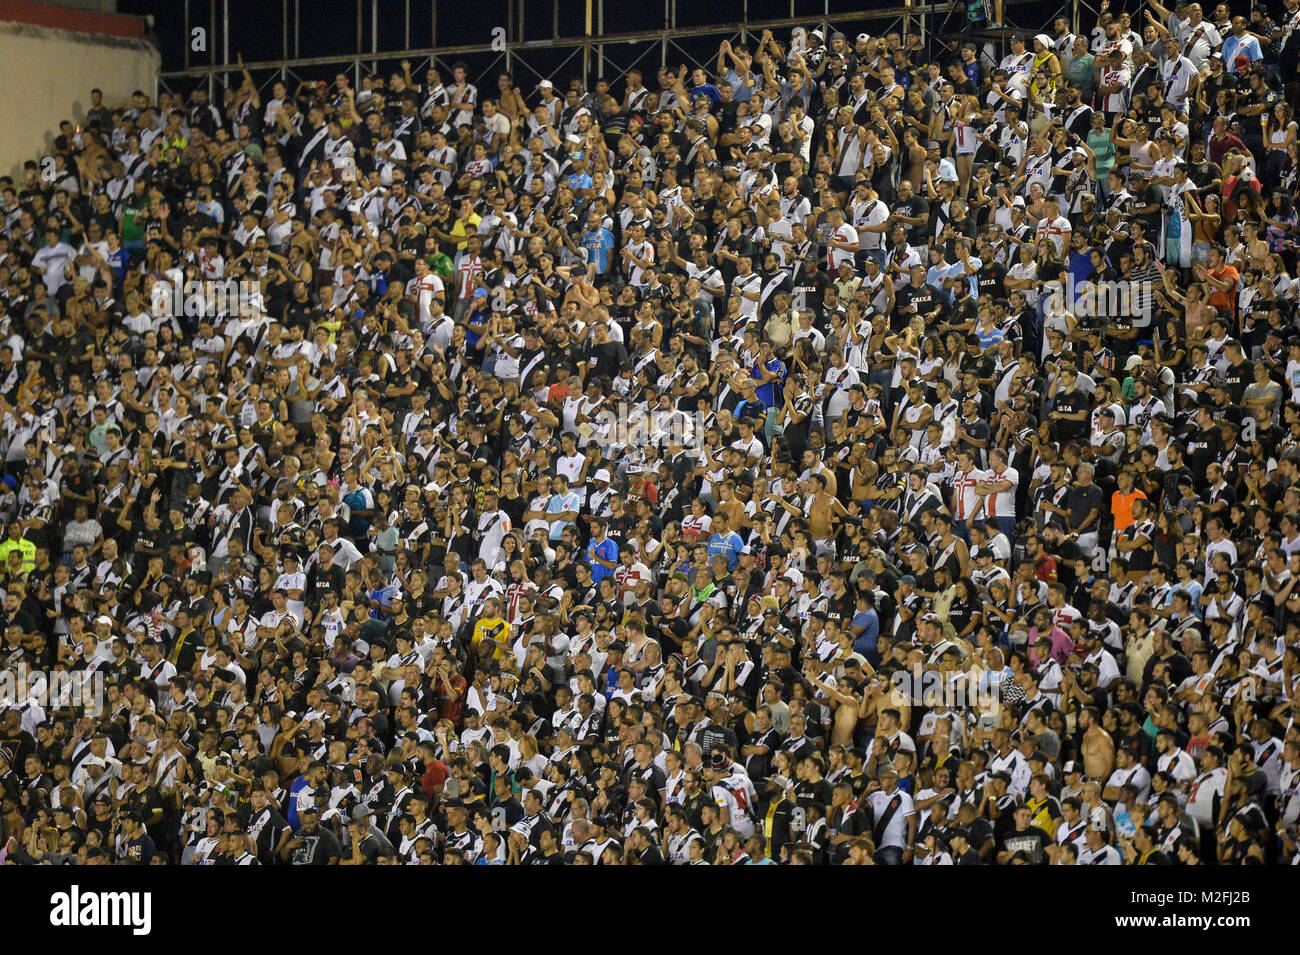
[864, 38]
[104, 618]
[602, 475]
[546, 85]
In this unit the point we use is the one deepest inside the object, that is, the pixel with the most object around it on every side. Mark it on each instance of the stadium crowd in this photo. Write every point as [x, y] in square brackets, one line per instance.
[850, 451]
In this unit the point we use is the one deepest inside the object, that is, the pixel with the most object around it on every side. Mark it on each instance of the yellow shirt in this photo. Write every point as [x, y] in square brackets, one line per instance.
[493, 628]
[461, 230]
[27, 548]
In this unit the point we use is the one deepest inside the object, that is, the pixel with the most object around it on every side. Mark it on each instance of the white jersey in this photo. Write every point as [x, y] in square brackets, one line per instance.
[736, 794]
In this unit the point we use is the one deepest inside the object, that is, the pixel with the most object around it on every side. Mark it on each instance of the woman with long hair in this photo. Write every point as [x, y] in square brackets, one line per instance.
[1279, 132]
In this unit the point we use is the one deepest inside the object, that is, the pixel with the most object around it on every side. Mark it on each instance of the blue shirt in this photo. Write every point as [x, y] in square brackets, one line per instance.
[729, 545]
[384, 597]
[766, 392]
[119, 261]
[558, 505]
[959, 270]
[1080, 271]
[865, 643]
[936, 275]
[1233, 48]
[578, 180]
[709, 90]
[291, 811]
[599, 246]
[606, 550]
[213, 209]
[990, 339]
[739, 91]
[478, 322]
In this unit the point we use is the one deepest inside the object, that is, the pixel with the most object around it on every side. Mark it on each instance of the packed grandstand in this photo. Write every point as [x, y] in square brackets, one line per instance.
[855, 450]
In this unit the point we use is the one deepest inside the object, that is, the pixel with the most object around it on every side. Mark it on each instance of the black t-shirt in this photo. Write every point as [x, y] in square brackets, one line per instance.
[1150, 221]
[539, 858]
[318, 847]
[1070, 403]
[911, 299]
[1238, 377]
[913, 207]
[374, 845]
[138, 851]
[1081, 500]
[1031, 840]
[990, 279]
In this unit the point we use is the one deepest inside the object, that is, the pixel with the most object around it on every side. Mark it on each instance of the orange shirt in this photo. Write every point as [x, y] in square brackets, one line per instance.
[1225, 301]
[1121, 506]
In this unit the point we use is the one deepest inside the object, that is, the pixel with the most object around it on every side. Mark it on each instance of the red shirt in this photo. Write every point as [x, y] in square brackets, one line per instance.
[449, 709]
[435, 774]
[1045, 568]
[1218, 148]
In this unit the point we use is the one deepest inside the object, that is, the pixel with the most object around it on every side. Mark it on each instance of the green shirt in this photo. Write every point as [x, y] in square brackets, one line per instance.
[441, 265]
[1082, 76]
[1099, 142]
[133, 218]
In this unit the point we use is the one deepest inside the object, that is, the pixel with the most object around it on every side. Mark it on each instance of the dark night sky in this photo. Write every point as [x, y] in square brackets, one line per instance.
[328, 27]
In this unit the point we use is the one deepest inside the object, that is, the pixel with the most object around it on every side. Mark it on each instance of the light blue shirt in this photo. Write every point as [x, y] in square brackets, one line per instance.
[973, 278]
[728, 545]
[558, 505]
[936, 275]
[1245, 46]
[739, 91]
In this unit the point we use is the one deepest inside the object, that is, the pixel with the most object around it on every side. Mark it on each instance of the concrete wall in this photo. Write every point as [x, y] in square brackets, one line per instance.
[47, 75]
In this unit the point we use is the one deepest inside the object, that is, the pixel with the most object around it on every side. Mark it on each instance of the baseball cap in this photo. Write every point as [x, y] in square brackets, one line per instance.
[863, 38]
[546, 85]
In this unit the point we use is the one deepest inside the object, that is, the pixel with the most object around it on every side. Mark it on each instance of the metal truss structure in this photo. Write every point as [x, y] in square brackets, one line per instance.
[591, 53]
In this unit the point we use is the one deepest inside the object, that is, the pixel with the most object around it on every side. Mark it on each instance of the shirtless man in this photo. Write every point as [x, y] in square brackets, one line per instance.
[824, 509]
[1097, 747]
[733, 507]
[860, 484]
